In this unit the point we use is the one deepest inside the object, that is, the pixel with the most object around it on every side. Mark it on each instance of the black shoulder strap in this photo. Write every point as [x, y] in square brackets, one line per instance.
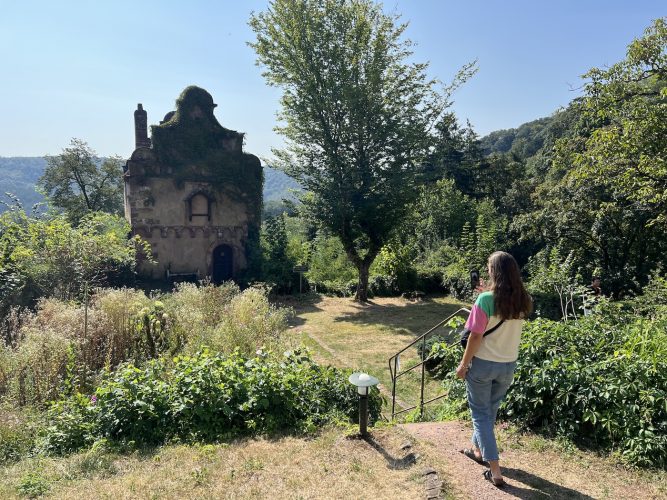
[494, 328]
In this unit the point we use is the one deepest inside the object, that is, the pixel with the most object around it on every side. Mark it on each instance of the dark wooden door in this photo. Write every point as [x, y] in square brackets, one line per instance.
[223, 264]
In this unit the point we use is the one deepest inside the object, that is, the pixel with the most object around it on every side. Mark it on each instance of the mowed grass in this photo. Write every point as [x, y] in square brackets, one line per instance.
[327, 465]
[364, 336]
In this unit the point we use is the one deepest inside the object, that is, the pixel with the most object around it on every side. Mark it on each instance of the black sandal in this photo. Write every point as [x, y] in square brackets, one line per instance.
[498, 483]
[470, 453]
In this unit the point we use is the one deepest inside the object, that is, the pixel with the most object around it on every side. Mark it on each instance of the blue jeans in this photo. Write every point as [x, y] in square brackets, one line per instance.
[487, 383]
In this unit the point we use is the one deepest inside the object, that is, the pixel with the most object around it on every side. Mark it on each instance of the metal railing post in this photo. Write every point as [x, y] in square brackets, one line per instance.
[421, 396]
[393, 370]
[393, 387]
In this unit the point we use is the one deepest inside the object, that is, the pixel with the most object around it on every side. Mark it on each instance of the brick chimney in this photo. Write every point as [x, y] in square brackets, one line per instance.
[141, 139]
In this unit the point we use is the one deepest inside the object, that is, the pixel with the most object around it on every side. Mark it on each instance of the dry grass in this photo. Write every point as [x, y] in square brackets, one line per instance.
[351, 335]
[329, 465]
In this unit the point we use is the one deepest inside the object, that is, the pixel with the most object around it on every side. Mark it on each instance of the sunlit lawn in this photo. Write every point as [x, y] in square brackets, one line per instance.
[365, 336]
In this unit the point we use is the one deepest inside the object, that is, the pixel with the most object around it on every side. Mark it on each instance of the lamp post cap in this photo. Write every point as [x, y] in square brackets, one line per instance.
[363, 380]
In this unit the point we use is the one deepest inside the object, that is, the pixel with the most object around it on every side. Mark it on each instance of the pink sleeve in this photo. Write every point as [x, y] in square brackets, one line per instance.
[477, 320]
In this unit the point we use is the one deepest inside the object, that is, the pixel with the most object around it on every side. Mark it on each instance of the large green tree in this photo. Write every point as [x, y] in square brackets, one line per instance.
[78, 182]
[627, 104]
[357, 116]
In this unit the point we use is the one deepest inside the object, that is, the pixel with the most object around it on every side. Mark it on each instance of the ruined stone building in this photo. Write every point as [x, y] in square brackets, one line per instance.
[193, 194]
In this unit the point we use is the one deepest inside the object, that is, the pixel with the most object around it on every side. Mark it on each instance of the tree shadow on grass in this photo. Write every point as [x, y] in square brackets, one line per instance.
[539, 487]
[301, 304]
[414, 318]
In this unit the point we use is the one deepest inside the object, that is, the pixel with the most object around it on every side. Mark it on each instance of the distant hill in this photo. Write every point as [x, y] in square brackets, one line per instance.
[523, 141]
[277, 185]
[19, 174]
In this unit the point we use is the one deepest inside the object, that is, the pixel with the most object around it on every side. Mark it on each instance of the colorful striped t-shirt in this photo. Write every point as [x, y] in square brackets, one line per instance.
[503, 344]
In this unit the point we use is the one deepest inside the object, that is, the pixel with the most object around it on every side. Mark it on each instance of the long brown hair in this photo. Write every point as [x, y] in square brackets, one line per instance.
[509, 295]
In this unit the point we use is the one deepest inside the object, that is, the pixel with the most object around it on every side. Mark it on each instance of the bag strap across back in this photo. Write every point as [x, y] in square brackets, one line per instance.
[491, 330]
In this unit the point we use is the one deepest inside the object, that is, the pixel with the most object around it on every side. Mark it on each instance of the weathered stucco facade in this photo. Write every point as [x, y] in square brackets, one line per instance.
[193, 194]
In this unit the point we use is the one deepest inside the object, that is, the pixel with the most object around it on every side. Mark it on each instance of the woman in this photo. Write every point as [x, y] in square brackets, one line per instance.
[488, 362]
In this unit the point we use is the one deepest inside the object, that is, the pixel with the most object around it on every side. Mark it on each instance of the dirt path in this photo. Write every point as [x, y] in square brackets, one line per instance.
[530, 473]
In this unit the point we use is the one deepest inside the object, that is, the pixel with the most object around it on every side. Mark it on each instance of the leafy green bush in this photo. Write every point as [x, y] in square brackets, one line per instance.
[394, 265]
[653, 302]
[456, 279]
[384, 286]
[601, 381]
[206, 397]
[48, 257]
[71, 424]
[33, 485]
[330, 269]
[132, 404]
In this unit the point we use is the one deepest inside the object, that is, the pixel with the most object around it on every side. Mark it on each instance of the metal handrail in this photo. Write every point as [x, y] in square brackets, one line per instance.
[393, 370]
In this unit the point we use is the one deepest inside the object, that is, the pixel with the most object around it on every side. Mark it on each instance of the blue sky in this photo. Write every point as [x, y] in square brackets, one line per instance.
[79, 68]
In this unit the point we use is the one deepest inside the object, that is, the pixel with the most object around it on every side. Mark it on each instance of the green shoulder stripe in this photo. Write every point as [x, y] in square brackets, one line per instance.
[485, 302]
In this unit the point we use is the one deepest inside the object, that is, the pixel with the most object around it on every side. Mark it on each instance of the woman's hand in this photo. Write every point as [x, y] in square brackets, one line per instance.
[461, 371]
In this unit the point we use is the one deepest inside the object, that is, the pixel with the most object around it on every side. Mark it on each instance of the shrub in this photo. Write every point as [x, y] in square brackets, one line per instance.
[121, 308]
[71, 425]
[17, 435]
[394, 265]
[33, 485]
[329, 266]
[206, 397]
[601, 381]
[132, 404]
[45, 256]
[196, 308]
[384, 286]
[456, 280]
[653, 303]
[246, 323]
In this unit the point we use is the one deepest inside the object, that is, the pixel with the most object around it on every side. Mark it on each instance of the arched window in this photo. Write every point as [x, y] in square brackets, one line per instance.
[199, 208]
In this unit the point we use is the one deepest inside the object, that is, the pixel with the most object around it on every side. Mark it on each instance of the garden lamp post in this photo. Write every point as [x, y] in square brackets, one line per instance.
[363, 381]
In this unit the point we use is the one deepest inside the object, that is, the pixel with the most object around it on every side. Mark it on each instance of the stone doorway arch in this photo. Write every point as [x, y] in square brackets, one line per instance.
[222, 265]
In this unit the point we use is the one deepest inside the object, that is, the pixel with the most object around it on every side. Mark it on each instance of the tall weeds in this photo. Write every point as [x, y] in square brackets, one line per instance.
[63, 347]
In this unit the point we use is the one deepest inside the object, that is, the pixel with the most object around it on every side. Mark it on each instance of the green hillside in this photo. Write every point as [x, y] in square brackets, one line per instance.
[19, 174]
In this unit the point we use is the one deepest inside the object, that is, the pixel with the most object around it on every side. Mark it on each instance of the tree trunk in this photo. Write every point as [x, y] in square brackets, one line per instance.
[362, 287]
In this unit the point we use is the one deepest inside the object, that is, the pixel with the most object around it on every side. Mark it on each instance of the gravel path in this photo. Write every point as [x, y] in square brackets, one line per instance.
[529, 473]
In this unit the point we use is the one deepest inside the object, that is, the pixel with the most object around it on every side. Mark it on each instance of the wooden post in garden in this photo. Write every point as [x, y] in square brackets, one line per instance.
[300, 270]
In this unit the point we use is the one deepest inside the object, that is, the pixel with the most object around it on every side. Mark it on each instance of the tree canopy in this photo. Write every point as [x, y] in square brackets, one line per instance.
[78, 182]
[627, 104]
[358, 117]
